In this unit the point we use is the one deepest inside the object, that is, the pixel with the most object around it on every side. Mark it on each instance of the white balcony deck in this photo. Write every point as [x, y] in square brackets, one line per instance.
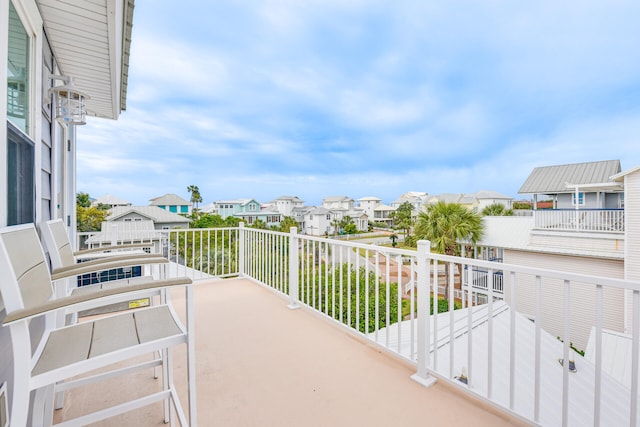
[262, 364]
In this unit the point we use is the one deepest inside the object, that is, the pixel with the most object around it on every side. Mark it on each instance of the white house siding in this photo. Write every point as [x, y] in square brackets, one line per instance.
[596, 244]
[583, 300]
[632, 234]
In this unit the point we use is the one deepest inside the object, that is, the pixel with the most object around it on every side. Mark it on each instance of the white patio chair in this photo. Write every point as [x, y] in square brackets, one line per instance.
[65, 352]
[64, 262]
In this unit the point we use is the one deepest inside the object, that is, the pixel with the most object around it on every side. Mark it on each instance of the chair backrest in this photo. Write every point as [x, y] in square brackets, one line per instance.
[57, 241]
[25, 281]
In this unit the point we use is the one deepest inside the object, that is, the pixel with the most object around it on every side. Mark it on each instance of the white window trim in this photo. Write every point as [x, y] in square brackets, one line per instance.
[32, 21]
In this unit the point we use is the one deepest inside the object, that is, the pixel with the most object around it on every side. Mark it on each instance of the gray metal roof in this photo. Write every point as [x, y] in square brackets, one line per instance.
[158, 215]
[554, 179]
[169, 200]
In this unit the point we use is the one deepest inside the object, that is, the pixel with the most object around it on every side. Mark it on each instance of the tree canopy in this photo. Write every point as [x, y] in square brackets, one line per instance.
[89, 218]
[195, 195]
[496, 209]
[286, 224]
[446, 224]
[403, 217]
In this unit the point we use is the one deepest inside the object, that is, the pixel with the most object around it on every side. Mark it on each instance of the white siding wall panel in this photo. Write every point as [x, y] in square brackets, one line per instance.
[632, 224]
[583, 300]
[603, 244]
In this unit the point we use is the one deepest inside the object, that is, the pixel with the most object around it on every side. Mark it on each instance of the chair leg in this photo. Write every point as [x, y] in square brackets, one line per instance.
[165, 385]
[42, 412]
[170, 386]
[59, 398]
[20, 394]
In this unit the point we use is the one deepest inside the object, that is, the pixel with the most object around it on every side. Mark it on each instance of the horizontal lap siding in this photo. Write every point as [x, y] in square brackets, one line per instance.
[583, 299]
[632, 224]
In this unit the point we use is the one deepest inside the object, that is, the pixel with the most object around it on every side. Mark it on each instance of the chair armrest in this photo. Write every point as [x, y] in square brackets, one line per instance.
[112, 248]
[105, 264]
[72, 300]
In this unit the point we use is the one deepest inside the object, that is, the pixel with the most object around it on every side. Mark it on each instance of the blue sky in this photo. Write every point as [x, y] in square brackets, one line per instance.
[320, 98]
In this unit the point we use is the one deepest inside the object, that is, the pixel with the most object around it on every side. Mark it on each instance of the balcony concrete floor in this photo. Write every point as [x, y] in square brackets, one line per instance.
[262, 364]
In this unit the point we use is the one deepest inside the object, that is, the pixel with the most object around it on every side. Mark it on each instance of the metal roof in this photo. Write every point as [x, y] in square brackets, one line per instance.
[554, 179]
[91, 42]
[581, 383]
[154, 213]
[169, 200]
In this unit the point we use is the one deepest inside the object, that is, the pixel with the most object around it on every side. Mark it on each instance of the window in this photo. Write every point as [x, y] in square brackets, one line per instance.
[173, 209]
[580, 199]
[184, 209]
[20, 177]
[18, 73]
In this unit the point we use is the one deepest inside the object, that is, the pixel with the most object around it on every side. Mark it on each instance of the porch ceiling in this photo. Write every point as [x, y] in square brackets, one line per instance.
[91, 43]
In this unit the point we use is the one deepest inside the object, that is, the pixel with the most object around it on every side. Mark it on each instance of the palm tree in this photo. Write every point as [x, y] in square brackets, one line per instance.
[445, 225]
[335, 223]
[286, 224]
[195, 195]
[496, 209]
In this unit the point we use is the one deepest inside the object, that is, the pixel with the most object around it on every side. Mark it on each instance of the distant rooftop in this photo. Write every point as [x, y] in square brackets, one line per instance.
[554, 179]
[169, 200]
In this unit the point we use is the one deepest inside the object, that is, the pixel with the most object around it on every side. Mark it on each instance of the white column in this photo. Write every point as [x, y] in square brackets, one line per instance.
[424, 332]
[293, 269]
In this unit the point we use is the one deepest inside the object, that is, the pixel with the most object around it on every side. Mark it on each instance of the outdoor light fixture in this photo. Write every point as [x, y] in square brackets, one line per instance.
[70, 102]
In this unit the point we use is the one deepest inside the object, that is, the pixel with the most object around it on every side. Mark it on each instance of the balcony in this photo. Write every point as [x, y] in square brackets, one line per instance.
[363, 330]
[582, 220]
[262, 364]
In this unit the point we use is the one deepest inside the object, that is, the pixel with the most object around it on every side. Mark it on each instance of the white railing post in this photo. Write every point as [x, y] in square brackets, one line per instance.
[241, 249]
[424, 333]
[293, 269]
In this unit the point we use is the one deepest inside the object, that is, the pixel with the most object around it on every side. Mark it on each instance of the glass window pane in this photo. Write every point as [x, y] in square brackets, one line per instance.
[18, 72]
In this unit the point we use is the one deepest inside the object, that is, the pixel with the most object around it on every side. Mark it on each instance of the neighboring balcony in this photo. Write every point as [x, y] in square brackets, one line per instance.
[259, 360]
[582, 220]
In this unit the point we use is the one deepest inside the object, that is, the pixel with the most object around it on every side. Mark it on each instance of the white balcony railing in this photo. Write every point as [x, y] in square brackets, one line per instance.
[596, 220]
[481, 341]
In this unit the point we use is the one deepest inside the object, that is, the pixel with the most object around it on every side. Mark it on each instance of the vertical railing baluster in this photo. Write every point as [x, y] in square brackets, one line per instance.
[470, 378]
[538, 321]
[490, 336]
[451, 299]
[348, 249]
[635, 357]
[357, 289]
[598, 374]
[399, 319]
[565, 353]
[512, 341]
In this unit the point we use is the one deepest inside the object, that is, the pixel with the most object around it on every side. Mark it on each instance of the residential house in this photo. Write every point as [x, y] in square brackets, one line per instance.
[111, 201]
[269, 216]
[359, 217]
[382, 214]
[368, 204]
[487, 198]
[576, 186]
[597, 241]
[417, 199]
[208, 208]
[338, 202]
[317, 221]
[227, 208]
[172, 203]
[445, 197]
[286, 204]
[162, 219]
